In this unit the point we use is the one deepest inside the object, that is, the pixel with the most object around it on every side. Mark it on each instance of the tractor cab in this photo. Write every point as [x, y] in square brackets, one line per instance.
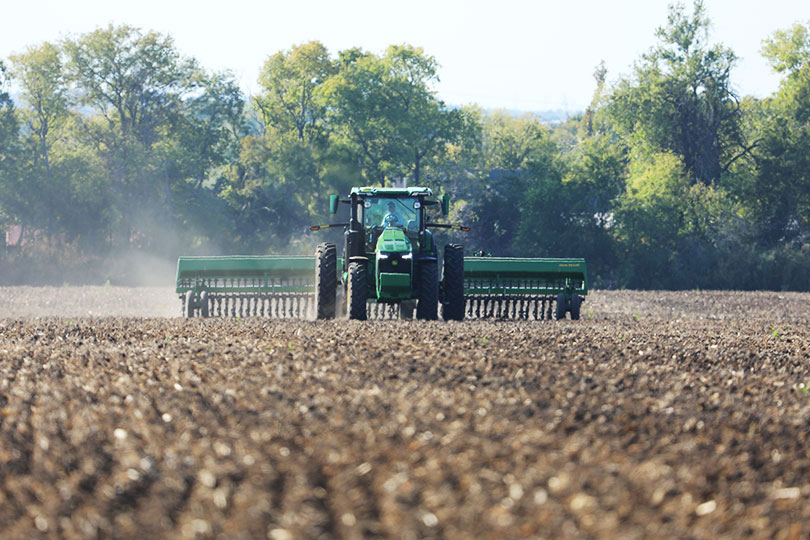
[383, 214]
[402, 216]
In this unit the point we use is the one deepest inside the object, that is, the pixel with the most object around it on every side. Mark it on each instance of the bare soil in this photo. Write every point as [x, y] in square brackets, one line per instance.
[658, 415]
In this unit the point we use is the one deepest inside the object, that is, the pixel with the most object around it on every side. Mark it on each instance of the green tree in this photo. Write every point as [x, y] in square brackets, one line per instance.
[8, 121]
[650, 219]
[9, 127]
[501, 159]
[198, 155]
[284, 168]
[40, 74]
[297, 151]
[293, 99]
[135, 80]
[593, 183]
[135, 84]
[385, 108]
[680, 99]
[782, 186]
[673, 234]
[208, 131]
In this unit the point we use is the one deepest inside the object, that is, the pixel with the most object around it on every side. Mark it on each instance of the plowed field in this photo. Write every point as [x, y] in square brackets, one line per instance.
[658, 415]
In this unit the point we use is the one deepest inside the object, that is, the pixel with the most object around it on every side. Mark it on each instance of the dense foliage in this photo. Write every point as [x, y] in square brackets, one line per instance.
[115, 142]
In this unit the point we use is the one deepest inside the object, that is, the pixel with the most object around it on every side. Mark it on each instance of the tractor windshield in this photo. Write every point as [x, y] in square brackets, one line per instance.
[381, 212]
[401, 212]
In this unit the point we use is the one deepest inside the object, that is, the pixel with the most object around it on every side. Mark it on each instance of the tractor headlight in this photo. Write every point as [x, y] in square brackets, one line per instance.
[382, 255]
[407, 256]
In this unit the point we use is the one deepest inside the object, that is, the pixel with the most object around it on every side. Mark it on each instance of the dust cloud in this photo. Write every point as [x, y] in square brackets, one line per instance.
[88, 301]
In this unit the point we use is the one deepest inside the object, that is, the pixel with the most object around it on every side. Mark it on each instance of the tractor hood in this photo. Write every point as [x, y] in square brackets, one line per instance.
[393, 240]
[394, 265]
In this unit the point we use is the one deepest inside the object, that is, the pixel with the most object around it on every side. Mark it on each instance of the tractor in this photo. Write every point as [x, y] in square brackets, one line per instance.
[390, 257]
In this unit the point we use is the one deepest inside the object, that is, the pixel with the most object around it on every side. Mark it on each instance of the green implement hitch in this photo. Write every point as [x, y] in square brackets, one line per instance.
[516, 288]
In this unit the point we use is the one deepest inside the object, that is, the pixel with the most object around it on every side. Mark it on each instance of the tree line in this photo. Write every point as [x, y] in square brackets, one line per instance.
[115, 141]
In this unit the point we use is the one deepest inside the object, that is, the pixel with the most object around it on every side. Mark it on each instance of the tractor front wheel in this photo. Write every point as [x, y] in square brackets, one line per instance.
[357, 291]
[453, 306]
[325, 280]
[427, 308]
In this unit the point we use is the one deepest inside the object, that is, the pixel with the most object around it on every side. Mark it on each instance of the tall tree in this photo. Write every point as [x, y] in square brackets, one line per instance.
[135, 83]
[135, 80]
[499, 179]
[680, 98]
[207, 133]
[782, 187]
[40, 74]
[283, 168]
[197, 156]
[8, 152]
[292, 82]
[386, 108]
[294, 104]
[8, 119]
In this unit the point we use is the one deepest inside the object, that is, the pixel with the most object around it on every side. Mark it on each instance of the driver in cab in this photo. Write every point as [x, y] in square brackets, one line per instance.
[391, 218]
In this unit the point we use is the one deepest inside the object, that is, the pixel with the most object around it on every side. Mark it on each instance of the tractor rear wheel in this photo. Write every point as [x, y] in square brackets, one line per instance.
[560, 308]
[357, 291]
[427, 308]
[325, 280]
[453, 306]
[576, 304]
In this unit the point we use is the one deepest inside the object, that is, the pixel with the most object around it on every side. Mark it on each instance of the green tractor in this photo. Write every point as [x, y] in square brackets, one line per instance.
[390, 265]
[389, 257]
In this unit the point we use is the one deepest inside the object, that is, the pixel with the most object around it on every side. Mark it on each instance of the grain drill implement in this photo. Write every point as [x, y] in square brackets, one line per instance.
[246, 286]
[529, 289]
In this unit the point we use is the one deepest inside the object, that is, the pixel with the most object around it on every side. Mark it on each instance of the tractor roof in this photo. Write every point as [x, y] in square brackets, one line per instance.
[370, 191]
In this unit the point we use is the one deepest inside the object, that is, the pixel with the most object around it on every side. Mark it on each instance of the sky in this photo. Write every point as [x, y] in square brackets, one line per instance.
[528, 55]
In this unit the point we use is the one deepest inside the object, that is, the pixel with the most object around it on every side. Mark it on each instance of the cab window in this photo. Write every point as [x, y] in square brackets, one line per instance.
[381, 212]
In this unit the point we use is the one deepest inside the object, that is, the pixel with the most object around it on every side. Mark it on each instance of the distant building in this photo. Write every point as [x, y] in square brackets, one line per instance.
[14, 235]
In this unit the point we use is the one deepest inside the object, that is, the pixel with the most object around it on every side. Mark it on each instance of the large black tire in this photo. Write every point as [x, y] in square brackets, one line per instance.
[576, 304]
[453, 306]
[560, 308]
[204, 304]
[325, 280]
[358, 288]
[188, 305]
[427, 308]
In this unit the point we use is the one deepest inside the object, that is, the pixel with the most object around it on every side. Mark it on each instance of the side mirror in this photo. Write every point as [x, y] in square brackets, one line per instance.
[445, 202]
[333, 203]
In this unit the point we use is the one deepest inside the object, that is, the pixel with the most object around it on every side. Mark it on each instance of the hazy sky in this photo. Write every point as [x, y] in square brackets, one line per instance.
[527, 55]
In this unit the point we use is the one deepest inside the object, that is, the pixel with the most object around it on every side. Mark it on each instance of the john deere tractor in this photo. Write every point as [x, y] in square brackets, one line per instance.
[389, 265]
[389, 257]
